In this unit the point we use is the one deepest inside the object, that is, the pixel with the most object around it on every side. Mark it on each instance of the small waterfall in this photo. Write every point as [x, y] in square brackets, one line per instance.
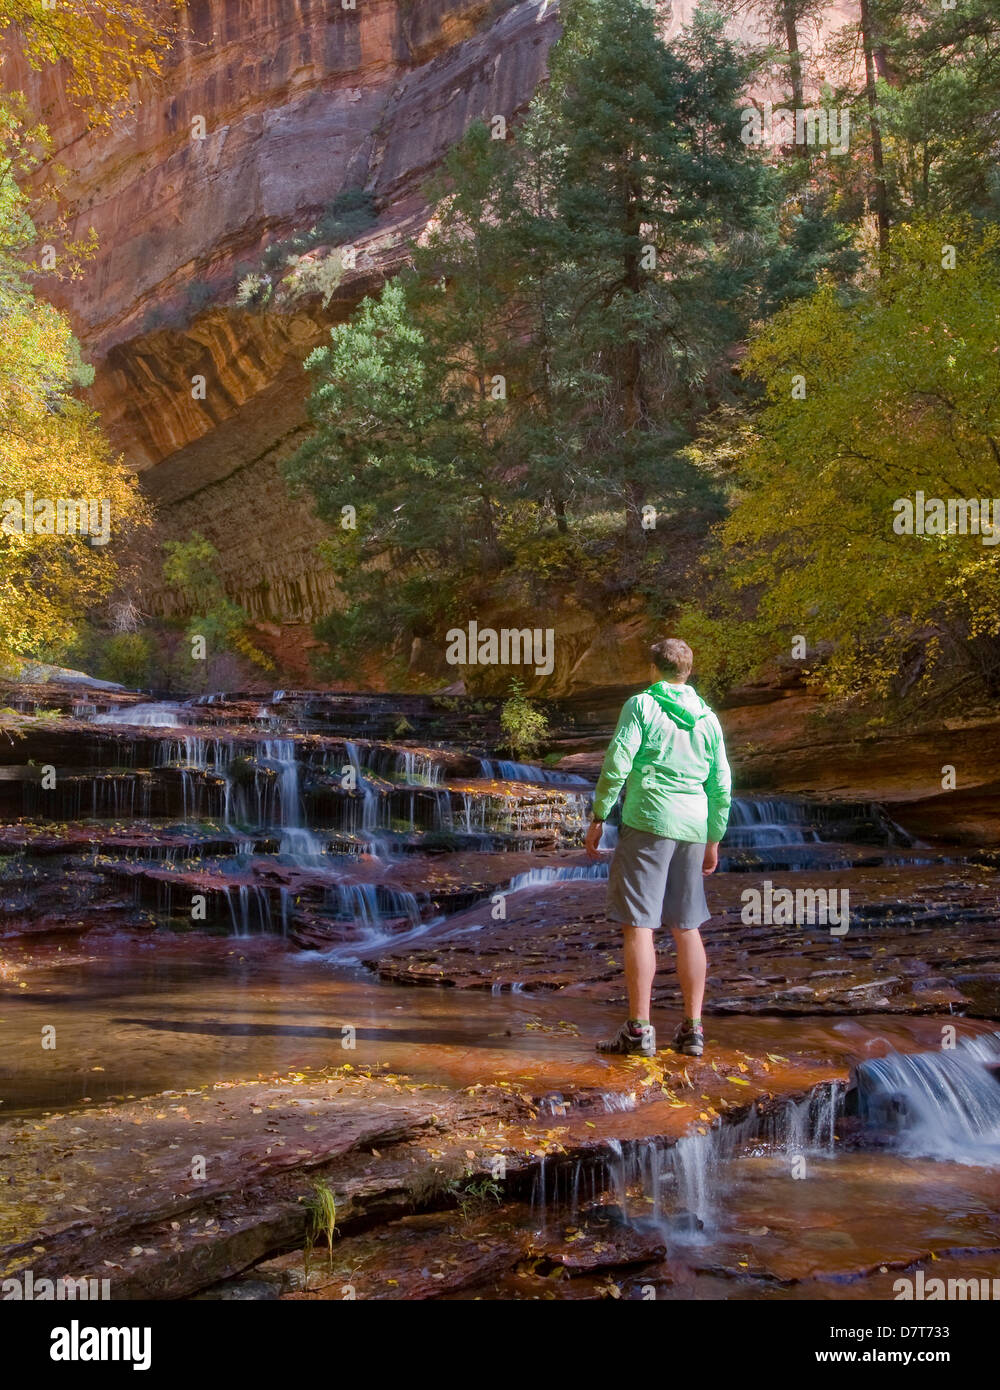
[162, 715]
[417, 767]
[500, 771]
[370, 800]
[250, 910]
[377, 910]
[697, 1164]
[296, 840]
[534, 878]
[474, 809]
[373, 904]
[764, 824]
[444, 817]
[606, 1102]
[683, 1186]
[939, 1104]
[195, 751]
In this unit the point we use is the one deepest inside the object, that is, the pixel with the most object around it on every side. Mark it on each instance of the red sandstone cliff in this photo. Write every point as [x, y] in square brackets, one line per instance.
[301, 99]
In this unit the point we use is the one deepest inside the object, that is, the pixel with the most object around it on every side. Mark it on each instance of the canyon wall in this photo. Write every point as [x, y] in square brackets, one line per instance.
[300, 99]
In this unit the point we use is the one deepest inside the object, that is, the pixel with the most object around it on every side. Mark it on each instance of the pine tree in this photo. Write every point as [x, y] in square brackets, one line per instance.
[565, 322]
[661, 203]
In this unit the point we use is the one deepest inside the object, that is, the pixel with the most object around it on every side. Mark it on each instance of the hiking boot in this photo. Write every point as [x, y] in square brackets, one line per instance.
[632, 1039]
[690, 1039]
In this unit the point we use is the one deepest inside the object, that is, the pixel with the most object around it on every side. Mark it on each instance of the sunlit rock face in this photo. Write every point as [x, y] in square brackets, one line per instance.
[297, 100]
[301, 99]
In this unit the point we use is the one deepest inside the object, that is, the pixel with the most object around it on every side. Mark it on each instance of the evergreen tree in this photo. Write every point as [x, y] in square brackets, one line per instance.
[664, 208]
[408, 408]
[565, 323]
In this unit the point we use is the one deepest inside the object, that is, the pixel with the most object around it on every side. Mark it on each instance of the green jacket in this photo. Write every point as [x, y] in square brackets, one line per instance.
[669, 751]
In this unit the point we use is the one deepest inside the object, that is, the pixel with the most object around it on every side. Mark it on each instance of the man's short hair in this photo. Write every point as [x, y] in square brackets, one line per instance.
[672, 658]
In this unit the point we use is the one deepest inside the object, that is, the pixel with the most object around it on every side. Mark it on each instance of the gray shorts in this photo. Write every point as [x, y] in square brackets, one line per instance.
[657, 882]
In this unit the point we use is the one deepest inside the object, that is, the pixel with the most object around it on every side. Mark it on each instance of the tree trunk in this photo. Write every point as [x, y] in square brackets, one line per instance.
[633, 395]
[878, 164]
[790, 24]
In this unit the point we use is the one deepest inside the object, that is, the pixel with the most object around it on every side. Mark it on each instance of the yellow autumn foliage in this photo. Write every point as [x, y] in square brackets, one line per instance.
[51, 448]
[875, 410]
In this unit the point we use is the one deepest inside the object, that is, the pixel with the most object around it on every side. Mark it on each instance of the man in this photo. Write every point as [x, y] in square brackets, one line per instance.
[669, 751]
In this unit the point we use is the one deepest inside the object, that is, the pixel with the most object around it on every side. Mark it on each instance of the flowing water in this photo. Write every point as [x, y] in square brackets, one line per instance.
[246, 834]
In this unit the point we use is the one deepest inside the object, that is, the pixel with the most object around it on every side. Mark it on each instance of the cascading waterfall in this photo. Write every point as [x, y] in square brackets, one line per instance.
[377, 910]
[160, 715]
[416, 767]
[942, 1104]
[683, 1185]
[534, 878]
[250, 910]
[296, 840]
[373, 904]
[196, 751]
[501, 771]
[250, 780]
[764, 824]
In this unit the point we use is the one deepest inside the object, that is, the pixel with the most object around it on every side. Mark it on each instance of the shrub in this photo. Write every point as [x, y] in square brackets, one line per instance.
[253, 290]
[127, 658]
[523, 723]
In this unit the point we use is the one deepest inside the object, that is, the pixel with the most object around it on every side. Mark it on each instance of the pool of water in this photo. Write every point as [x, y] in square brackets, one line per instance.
[137, 1018]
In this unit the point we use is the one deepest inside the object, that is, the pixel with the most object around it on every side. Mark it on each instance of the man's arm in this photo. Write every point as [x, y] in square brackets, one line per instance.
[616, 767]
[718, 789]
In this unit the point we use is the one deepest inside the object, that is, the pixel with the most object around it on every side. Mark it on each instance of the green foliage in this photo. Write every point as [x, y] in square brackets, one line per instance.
[523, 724]
[321, 1219]
[51, 445]
[653, 159]
[347, 216]
[351, 213]
[565, 320]
[474, 1196]
[938, 115]
[603, 261]
[253, 291]
[192, 567]
[315, 277]
[127, 658]
[902, 393]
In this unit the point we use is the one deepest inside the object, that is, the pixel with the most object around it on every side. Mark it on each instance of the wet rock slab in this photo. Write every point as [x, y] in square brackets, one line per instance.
[169, 1195]
[920, 940]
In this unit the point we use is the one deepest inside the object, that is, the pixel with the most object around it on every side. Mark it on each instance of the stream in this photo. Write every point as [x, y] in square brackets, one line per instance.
[229, 889]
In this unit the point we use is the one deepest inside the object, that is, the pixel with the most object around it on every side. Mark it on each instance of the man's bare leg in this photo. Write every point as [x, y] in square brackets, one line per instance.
[640, 967]
[691, 970]
[637, 1035]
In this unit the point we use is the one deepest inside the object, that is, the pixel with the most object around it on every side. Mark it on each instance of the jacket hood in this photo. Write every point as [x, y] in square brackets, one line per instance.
[684, 705]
